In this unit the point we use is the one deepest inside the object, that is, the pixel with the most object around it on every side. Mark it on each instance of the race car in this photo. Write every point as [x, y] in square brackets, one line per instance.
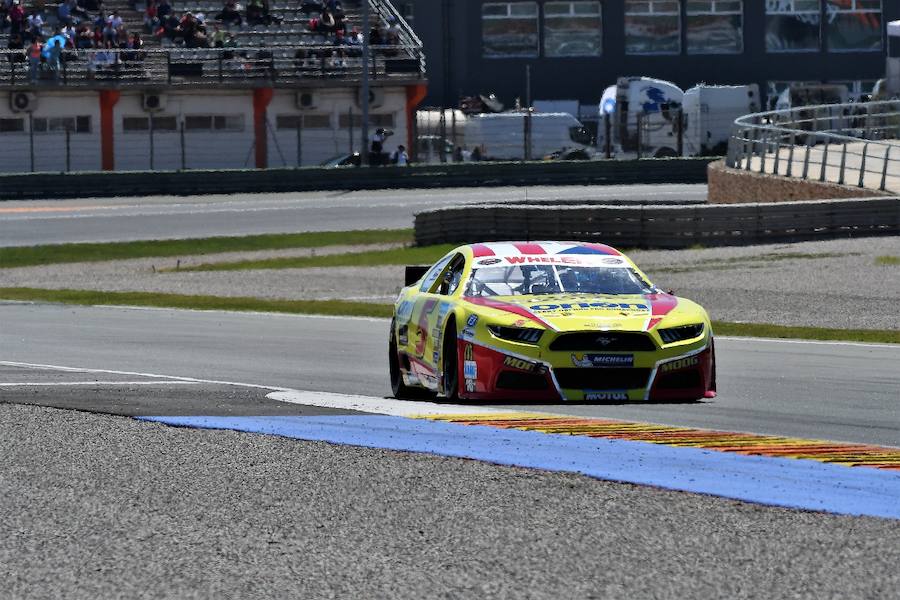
[546, 321]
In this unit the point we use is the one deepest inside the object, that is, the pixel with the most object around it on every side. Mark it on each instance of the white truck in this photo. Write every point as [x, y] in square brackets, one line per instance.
[504, 136]
[644, 118]
[709, 112]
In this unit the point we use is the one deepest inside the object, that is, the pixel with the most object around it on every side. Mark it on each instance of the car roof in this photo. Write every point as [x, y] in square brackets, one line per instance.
[539, 248]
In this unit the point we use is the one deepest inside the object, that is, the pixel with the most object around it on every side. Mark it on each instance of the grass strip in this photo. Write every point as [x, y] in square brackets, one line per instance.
[887, 260]
[369, 309]
[95, 252]
[95, 298]
[423, 255]
[876, 336]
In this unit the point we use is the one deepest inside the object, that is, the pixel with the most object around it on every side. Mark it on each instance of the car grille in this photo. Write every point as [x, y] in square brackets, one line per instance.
[510, 380]
[681, 381]
[603, 341]
[602, 378]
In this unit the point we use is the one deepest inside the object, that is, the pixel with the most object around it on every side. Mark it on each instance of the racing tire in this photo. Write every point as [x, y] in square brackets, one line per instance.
[400, 390]
[450, 364]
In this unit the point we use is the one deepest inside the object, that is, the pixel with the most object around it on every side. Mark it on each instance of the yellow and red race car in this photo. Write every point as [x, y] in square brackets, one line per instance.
[546, 321]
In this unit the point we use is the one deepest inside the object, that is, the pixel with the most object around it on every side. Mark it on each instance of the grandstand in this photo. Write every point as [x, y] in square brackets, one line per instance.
[276, 95]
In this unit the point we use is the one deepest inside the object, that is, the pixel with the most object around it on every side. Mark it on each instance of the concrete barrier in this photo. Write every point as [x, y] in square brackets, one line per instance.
[654, 226]
[186, 183]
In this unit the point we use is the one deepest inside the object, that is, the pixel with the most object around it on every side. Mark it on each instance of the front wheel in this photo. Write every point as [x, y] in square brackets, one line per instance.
[400, 390]
[450, 364]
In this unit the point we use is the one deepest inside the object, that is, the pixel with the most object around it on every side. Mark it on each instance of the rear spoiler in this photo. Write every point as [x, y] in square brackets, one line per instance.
[414, 273]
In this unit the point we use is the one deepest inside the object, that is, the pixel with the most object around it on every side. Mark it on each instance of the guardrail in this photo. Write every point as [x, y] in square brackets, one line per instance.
[653, 226]
[848, 144]
[183, 183]
[270, 65]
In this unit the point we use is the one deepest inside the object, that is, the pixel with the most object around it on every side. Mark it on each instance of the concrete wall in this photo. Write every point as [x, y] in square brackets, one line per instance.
[733, 186]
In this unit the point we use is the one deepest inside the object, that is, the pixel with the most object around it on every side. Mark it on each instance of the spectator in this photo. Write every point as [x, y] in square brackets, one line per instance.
[34, 59]
[64, 14]
[163, 9]
[34, 26]
[230, 14]
[400, 157]
[151, 17]
[311, 6]
[84, 38]
[376, 155]
[52, 51]
[16, 42]
[258, 13]
[16, 16]
[4, 15]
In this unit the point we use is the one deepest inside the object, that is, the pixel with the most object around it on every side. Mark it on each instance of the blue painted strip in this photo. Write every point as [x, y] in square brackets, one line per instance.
[792, 483]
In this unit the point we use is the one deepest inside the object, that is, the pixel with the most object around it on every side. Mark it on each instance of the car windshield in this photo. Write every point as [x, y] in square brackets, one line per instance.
[520, 280]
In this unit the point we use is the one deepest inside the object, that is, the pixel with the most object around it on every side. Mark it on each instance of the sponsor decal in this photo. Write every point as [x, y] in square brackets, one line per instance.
[489, 261]
[442, 311]
[612, 261]
[467, 334]
[435, 356]
[470, 385]
[470, 369]
[603, 360]
[469, 352]
[403, 335]
[677, 365]
[520, 323]
[553, 260]
[404, 309]
[566, 306]
[472, 320]
[522, 365]
[436, 335]
[606, 395]
[421, 336]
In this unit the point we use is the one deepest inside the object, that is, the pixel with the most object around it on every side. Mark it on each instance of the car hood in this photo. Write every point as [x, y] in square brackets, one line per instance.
[578, 312]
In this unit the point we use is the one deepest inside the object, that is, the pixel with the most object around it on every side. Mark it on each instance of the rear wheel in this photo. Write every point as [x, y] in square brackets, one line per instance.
[400, 390]
[450, 363]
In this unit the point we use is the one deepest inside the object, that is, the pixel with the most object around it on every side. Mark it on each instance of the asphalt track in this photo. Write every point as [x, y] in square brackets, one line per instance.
[846, 392]
[26, 223]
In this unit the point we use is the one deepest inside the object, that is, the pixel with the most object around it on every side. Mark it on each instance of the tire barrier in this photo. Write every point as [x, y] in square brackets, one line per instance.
[186, 183]
[655, 226]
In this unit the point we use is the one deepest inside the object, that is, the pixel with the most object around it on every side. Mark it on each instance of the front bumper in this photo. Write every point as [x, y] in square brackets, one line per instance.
[682, 372]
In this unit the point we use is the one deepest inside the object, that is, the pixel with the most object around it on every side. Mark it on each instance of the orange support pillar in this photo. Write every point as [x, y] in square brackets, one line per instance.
[414, 95]
[108, 99]
[261, 99]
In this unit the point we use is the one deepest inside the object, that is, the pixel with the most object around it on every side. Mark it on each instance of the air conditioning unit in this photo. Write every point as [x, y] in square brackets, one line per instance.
[376, 97]
[306, 100]
[22, 101]
[152, 102]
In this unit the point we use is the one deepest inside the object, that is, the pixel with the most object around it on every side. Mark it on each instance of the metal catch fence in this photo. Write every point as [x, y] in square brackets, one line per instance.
[847, 144]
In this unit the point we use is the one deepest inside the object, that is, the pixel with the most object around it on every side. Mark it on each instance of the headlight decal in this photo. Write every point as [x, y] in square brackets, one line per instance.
[524, 335]
[671, 335]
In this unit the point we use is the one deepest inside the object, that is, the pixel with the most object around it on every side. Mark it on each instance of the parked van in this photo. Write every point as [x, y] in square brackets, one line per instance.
[503, 136]
[710, 112]
[651, 105]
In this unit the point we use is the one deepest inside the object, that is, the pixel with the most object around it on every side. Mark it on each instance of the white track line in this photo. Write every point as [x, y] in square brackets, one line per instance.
[734, 338]
[84, 383]
[381, 406]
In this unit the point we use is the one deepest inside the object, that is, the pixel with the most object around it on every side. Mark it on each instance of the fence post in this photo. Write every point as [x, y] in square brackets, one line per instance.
[151, 141]
[527, 134]
[777, 153]
[362, 159]
[31, 139]
[68, 149]
[169, 66]
[183, 155]
[790, 168]
[220, 65]
[824, 161]
[680, 139]
[640, 121]
[607, 128]
[299, 140]
[862, 166]
[806, 160]
[750, 144]
[843, 164]
[887, 155]
[762, 155]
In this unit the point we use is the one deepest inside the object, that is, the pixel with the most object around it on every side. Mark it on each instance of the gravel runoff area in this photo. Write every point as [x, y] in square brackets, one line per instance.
[835, 283]
[95, 506]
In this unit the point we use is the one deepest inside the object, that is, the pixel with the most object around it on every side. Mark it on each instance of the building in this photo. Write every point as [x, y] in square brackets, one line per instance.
[281, 96]
[575, 48]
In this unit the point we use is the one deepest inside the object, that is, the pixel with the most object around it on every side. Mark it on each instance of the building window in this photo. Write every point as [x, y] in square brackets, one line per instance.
[792, 25]
[214, 123]
[12, 125]
[652, 27]
[572, 29]
[715, 26]
[386, 121]
[160, 123]
[303, 121]
[57, 124]
[853, 25]
[509, 29]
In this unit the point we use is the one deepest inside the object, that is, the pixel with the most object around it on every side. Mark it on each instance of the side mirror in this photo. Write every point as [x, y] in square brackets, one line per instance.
[414, 273]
